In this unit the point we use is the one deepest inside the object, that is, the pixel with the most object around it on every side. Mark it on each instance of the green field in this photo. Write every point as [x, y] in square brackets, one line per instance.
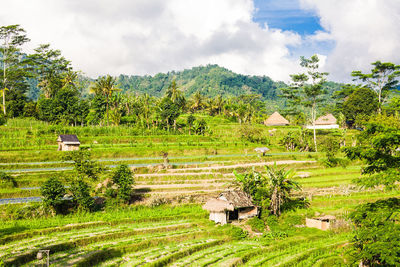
[167, 226]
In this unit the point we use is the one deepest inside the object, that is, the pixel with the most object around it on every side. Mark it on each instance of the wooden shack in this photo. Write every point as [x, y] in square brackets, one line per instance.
[322, 223]
[68, 142]
[231, 205]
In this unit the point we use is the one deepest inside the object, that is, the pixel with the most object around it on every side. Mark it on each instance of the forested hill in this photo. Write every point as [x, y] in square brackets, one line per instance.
[210, 80]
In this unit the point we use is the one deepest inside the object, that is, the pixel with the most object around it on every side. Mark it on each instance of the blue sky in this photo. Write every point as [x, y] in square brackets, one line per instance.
[286, 15]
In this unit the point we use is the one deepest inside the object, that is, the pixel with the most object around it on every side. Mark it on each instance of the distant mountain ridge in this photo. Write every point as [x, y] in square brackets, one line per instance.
[210, 80]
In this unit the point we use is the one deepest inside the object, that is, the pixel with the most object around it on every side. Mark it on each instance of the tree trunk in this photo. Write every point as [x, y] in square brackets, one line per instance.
[313, 116]
[379, 101]
[4, 100]
[4, 76]
[107, 111]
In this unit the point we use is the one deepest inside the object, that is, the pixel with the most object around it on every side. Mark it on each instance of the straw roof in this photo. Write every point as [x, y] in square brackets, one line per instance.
[237, 198]
[276, 119]
[328, 119]
[218, 205]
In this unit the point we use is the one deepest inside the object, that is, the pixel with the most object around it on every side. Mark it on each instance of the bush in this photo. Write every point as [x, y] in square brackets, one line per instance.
[123, 178]
[81, 195]
[252, 134]
[237, 233]
[7, 181]
[256, 224]
[53, 192]
[3, 119]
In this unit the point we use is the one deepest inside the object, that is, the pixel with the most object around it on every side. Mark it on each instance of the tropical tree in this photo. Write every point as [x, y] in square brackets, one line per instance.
[50, 68]
[12, 37]
[106, 86]
[270, 190]
[306, 89]
[175, 95]
[378, 146]
[197, 101]
[382, 79]
[376, 240]
[362, 102]
[281, 184]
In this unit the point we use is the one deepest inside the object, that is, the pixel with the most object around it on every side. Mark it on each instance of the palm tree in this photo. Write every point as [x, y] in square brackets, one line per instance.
[175, 95]
[69, 79]
[106, 86]
[197, 101]
[280, 187]
[219, 103]
[146, 106]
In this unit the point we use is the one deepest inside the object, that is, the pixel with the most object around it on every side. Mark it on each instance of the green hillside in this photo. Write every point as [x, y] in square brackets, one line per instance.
[210, 80]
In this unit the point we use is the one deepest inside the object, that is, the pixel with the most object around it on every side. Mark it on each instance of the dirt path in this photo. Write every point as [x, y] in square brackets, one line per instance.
[244, 165]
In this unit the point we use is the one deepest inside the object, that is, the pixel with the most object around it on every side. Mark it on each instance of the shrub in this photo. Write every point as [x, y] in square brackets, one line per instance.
[81, 195]
[53, 192]
[7, 181]
[83, 164]
[256, 224]
[123, 178]
[252, 134]
[237, 233]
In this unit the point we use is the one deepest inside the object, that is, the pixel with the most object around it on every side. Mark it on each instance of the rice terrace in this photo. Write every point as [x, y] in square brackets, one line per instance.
[232, 162]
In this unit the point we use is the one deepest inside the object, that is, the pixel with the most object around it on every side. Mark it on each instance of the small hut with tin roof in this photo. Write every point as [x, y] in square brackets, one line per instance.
[68, 142]
[231, 205]
[276, 119]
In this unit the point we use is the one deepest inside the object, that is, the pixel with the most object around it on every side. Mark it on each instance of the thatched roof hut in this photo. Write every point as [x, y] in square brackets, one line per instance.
[68, 142]
[217, 205]
[276, 119]
[230, 205]
[328, 119]
[237, 198]
[325, 122]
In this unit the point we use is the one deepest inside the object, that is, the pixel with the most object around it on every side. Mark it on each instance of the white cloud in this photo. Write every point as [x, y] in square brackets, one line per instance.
[364, 31]
[150, 36]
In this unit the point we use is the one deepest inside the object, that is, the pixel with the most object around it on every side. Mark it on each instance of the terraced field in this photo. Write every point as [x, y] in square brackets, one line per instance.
[152, 233]
[186, 238]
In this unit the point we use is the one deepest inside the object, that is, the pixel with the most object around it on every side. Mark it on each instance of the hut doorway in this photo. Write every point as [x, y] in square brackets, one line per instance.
[233, 215]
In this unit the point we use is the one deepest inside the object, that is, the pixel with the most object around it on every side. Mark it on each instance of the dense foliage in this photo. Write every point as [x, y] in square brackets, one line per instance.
[270, 190]
[123, 178]
[379, 147]
[376, 240]
[53, 192]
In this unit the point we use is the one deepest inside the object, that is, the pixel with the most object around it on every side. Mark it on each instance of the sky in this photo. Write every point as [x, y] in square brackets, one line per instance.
[252, 37]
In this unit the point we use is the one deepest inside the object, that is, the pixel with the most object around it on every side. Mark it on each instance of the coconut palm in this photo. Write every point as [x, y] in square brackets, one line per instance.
[176, 95]
[106, 86]
[197, 101]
